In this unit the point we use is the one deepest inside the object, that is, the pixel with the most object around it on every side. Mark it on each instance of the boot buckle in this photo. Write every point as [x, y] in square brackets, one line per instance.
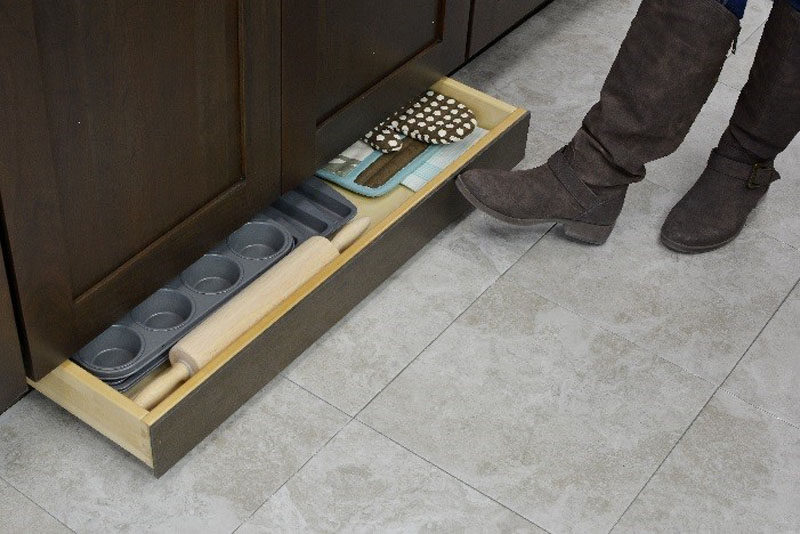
[761, 175]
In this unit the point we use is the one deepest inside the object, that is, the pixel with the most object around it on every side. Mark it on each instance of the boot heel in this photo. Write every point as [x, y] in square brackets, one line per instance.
[594, 234]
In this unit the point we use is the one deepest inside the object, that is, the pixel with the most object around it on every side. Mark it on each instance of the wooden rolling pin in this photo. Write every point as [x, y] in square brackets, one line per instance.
[234, 318]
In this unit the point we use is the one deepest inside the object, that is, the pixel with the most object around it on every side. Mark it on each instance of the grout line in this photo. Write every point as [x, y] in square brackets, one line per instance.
[732, 393]
[445, 329]
[319, 397]
[674, 446]
[352, 418]
[283, 375]
[448, 473]
[36, 504]
[248, 518]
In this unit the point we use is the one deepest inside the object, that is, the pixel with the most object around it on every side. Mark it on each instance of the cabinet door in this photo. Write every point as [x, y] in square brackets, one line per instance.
[135, 135]
[490, 18]
[347, 64]
[12, 374]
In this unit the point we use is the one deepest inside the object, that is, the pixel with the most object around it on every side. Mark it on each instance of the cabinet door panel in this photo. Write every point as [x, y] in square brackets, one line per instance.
[144, 110]
[360, 43]
[12, 373]
[364, 60]
[490, 18]
[153, 127]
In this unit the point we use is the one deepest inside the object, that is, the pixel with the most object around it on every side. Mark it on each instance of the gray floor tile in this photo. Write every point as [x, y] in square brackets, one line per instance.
[737, 67]
[680, 170]
[769, 374]
[608, 17]
[353, 361]
[778, 214]
[698, 311]
[736, 470]
[362, 482]
[540, 147]
[18, 514]
[755, 16]
[561, 421]
[91, 485]
[554, 68]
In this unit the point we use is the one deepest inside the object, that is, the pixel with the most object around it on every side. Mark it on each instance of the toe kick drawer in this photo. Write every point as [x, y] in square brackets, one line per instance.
[402, 222]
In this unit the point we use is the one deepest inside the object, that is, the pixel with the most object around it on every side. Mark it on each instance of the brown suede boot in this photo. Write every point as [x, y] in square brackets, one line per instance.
[740, 170]
[666, 67]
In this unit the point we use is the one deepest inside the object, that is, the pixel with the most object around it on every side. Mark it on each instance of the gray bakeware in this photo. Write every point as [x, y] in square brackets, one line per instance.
[139, 342]
[314, 208]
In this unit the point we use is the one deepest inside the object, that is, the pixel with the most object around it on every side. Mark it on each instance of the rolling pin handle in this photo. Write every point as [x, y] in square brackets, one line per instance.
[162, 386]
[349, 233]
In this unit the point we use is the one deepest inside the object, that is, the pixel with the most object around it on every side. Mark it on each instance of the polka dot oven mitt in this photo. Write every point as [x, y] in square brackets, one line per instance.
[384, 139]
[434, 119]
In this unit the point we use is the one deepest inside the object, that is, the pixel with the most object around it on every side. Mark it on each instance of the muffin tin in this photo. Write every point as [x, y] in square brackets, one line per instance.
[140, 341]
[314, 208]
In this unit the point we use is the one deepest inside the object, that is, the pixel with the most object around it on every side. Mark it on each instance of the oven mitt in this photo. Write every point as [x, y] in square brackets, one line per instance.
[435, 119]
[384, 139]
[387, 166]
[380, 173]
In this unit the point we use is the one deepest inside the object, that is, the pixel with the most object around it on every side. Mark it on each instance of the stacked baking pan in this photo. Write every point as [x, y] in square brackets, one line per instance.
[139, 341]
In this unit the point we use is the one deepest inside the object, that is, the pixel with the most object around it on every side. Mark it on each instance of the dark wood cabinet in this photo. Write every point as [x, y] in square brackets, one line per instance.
[12, 373]
[354, 66]
[136, 134]
[490, 18]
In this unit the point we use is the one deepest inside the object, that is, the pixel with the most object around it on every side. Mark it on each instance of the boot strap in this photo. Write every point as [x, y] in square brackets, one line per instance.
[756, 176]
[565, 174]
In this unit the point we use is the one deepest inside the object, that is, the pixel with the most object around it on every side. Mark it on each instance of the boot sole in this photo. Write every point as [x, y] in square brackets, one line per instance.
[693, 249]
[592, 234]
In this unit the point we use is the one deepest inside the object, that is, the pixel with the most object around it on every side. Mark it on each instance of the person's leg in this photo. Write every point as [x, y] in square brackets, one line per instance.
[739, 171]
[796, 4]
[663, 74]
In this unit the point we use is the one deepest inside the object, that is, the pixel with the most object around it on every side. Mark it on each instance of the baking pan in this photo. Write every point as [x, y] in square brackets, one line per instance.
[314, 208]
[140, 340]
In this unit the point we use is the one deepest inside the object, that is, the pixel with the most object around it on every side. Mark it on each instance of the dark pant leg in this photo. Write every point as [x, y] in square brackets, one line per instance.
[737, 6]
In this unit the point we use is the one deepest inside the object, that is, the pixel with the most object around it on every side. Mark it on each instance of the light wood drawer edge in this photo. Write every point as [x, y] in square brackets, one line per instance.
[118, 418]
[100, 406]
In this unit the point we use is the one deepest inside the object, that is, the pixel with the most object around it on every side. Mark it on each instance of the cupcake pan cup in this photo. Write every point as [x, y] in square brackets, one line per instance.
[140, 341]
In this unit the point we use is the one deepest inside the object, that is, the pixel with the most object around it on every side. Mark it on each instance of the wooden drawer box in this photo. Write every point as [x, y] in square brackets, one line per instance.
[402, 222]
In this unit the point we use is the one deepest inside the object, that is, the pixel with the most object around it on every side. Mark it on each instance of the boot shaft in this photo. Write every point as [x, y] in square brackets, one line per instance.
[665, 70]
[767, 115]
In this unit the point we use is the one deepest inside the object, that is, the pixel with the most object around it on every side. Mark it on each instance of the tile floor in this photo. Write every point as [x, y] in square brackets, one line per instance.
[527, 383]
